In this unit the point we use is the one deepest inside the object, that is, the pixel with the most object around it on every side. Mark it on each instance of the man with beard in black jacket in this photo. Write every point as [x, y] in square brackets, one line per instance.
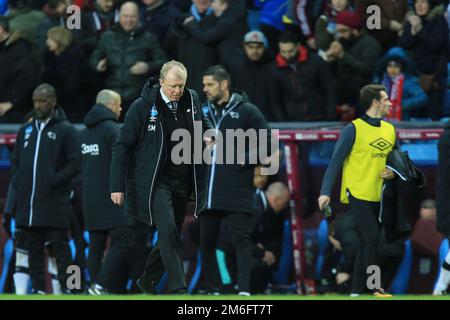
[44, 161]
[230, 190]
[251, 73]
[101, 217]
[145, 170]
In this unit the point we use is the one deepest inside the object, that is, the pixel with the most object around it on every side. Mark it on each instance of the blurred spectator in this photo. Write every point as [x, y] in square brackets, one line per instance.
[352, 57]
[226, 33]
[398, 75]
[157, 16]
[17, 77]
[26, 21]
[298, 21]
[428, 210]
[426, 36]
[303, 88]
[326, 24]
[128, 55]
[56, 16]
[271, 21]
[182, 46]
[62, 69]
[251, 73]
[393, 14]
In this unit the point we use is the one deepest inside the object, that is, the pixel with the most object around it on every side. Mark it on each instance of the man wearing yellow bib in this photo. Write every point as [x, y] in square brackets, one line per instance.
[361, 153]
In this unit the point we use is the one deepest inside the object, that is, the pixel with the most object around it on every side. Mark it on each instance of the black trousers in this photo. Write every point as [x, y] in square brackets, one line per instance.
[36, 238]
[109, 274]
[241, 226]
[365, 214]
[168, 212]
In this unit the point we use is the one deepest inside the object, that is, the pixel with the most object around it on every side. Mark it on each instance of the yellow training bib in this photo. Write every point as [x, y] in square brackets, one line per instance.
[367, 159]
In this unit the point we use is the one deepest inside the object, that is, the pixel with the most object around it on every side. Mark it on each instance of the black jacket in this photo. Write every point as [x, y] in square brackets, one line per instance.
[399, 196]
[195, 55]
[96, 143]
[304, 90]
[231, 186]
[443, 183]
[253, 78]
[157, 20]
[18, 78]
[44, 162]
[141, 149]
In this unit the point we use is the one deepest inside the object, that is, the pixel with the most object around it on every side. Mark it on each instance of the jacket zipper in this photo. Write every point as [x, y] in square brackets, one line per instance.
[213, 169]
[36, 154]
[154, 176]
[193, 162]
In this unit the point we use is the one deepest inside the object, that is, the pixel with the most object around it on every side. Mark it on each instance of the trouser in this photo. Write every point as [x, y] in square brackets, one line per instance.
[240, 225]
[36, 238]
[365, 214]
[142, 245]
[109, 273]
[168, 212]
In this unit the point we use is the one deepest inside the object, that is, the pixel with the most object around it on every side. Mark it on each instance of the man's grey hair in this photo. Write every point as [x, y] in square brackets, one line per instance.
[130, 4]
[178, 68]
[105, 97]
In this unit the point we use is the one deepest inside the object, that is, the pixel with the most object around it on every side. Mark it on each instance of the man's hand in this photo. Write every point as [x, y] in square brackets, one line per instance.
[139, 68]
[341, 277]
[5, 107]
[311, 43]
[117, 198]
[323, 201]
[336, 50]
[269, 258]
[387, 174]
[416, 24]
[395, 26]
[101, 65]
[187, 20]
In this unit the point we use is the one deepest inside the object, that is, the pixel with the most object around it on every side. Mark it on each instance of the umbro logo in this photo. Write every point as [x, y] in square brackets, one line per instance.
[381, 144]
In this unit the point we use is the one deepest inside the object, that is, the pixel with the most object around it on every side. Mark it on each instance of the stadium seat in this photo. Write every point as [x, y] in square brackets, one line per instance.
[422, 153]
[281, 276]
[401, 281]
[322, 236]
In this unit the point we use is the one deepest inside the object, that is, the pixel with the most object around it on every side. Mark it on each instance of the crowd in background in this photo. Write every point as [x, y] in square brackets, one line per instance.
[308, 64]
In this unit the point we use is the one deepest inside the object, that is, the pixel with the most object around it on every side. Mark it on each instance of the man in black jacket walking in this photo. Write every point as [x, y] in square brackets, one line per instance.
[157, 188]
[101, 216]
[44, 161]
[230, 190]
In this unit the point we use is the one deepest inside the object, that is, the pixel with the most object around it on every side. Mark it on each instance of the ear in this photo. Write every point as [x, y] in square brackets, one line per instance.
[160, 82]
[224, 85]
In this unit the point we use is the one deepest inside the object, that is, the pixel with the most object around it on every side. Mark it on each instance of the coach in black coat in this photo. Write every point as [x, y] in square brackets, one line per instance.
[97, 142]
[44, 162]
[443, 183]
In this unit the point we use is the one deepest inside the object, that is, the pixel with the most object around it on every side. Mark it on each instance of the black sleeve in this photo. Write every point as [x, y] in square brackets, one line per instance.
[213, 34]
[71, 155]
[128, 138]
[15, 155]
[329, 87]
[342, 149]
[276, 96]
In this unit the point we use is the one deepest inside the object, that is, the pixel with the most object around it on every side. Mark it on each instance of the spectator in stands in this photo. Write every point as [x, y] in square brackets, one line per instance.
[271, 21]
[17, 77]
[102, 218]
[126, 67]
[157, 16]
[42, 183]
[226, 33]
[352, 56]
[393, 15]
[425, 34]
[325, 30]
[303, 88]
[399, 76]
[62, 69]
[443, 205]
[26, 20]
[251, 73]
[298, 20]
[182, 46]
[56, 16]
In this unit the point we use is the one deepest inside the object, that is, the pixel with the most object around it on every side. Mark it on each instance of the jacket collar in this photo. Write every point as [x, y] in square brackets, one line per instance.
[302, 57]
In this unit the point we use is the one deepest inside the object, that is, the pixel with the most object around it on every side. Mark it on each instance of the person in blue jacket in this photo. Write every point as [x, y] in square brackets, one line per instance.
[399, 75]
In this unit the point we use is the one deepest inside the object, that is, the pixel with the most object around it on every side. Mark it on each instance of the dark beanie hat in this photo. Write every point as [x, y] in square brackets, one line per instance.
[349, 19]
